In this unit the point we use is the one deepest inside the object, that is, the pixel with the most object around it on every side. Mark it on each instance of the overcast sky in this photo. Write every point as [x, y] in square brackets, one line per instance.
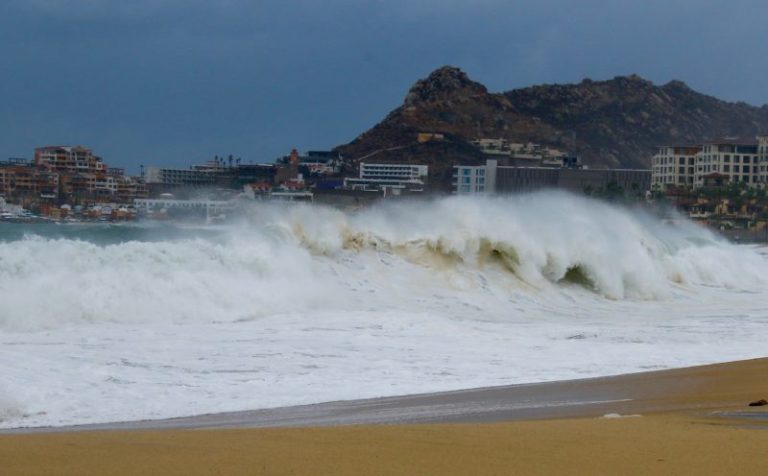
[174, 82]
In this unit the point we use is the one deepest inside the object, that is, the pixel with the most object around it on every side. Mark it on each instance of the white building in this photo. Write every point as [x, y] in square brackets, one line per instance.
[389, 172]
[320, 162]
[471, 180]
[736, 160]
[389, 177]
[497, 177]
[159, 206]
[762, 152]
[716, 162]
[674, 166]
[171, 176]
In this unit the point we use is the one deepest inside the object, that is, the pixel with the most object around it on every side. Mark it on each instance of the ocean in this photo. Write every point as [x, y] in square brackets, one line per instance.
[296, 304]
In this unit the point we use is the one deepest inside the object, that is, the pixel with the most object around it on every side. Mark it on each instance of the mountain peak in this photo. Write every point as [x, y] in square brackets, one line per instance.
[443, 83]
[613, 123]
[677, 85]
[633, 80]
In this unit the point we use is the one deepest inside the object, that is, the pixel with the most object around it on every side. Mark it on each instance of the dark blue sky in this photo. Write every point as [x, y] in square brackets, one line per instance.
[177, 81]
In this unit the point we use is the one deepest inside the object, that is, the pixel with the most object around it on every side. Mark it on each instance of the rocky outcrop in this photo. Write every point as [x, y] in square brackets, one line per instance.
[614, 123]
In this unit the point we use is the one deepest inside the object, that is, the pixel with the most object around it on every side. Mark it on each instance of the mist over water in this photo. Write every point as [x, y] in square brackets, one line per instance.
[320, 304]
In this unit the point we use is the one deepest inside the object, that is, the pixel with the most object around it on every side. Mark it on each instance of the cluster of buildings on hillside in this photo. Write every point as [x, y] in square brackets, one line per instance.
[62, 179]
[721, 183]
[521, 154]
[498, 176]
[711, 164]
[64, 174]
[66, 178]
[516, 167]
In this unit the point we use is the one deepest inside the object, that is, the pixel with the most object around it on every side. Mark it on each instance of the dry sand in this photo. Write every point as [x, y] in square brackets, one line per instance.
[681, 431]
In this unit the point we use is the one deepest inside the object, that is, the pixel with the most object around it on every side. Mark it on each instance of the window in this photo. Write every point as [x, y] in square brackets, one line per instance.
[736, 168]
[726, 168]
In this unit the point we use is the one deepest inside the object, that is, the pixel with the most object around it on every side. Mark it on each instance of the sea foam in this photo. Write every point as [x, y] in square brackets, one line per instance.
[301, 258]
[299, 304]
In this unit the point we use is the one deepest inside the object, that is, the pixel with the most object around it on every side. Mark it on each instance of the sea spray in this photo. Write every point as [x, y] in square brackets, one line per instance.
[303, 258]
[302, 304]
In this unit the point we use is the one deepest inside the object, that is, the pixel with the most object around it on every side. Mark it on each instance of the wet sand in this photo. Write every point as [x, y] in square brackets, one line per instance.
[688, 424]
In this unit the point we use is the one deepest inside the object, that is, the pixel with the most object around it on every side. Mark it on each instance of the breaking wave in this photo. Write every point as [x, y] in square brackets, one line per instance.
[296, 259]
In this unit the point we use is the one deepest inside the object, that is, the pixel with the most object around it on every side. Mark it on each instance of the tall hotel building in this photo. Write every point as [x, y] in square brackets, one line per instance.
[674, 166]
[712, 163]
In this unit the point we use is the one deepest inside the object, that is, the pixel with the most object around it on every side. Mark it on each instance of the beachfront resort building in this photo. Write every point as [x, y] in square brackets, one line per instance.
[521, 154]
[762, 155]
[232, 174]
[22, 182]
[713, 163]
[674, 165]
[65, 175]
[196, 175]
[497, 176]
[472, 180]
[69, 159]
[394, 178]
[736, 160]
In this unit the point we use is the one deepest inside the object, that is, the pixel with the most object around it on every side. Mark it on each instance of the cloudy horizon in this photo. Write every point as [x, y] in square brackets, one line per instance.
[174, 82]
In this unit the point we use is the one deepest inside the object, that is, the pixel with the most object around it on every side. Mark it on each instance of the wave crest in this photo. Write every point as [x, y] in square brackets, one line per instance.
[302, 258]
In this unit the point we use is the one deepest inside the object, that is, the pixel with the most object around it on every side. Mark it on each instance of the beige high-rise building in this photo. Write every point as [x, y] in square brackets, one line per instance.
[713, 163]
[674, 166]
[762, 153]
[731, 160]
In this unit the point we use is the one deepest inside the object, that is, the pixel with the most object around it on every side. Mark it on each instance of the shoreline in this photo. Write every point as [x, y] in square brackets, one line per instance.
[682, 421]
[668, 390]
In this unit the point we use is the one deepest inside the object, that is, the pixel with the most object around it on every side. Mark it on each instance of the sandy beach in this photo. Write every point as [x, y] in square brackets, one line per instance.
[685, 421]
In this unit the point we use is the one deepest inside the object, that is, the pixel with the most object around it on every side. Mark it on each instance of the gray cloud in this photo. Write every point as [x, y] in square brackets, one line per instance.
[177, 81]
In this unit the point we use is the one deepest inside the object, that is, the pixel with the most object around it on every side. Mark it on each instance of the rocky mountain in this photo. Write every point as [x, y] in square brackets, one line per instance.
[614, 123]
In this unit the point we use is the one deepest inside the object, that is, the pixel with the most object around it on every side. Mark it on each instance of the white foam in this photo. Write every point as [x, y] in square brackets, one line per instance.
[615, 416]
[308, 304]
[10, 409]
